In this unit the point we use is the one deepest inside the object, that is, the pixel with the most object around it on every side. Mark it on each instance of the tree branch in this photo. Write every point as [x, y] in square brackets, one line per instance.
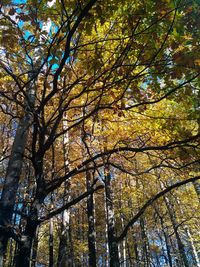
[71, 203]
[150, 202]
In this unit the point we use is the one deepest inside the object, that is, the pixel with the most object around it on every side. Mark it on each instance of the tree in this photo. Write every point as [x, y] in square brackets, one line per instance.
[94, 63]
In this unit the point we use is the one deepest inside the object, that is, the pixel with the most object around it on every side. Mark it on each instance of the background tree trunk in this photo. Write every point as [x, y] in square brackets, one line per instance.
[91, 222]
[51, 254]
[35, 248]
[165, 238]
[178, 238]
[112, 244]
[65, 251]
[145, 244]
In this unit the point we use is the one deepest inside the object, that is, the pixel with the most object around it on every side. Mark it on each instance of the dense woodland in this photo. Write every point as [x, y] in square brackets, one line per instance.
[99, 133]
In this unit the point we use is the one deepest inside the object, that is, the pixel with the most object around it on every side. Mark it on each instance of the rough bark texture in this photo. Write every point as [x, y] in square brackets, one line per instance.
[25, 244]
[24, 254]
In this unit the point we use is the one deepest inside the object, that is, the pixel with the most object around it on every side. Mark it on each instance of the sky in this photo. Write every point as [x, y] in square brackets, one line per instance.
[19, 2]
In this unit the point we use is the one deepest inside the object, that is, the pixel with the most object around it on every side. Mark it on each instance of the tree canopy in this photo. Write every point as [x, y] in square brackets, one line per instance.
[100, 133]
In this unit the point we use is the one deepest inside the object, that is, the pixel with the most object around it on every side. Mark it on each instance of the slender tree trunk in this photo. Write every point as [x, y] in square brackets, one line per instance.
[166, 243]
[145, 246]
[194, 251]
[51, 258]
[122, 247]
[112, 244]
[178, 238]
[196, 184]
[169, 258]
[106, 242]
[137, 259]
[122, 253]
[12, 247]
[62, 253]
[80, 237]
[13, 172]
[13, 264]
[65, 251]
[11, 252]
[188, 234]
[35, 248]
[91, 222]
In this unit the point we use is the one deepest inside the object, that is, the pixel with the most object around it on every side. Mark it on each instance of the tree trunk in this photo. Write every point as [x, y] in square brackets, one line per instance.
[35, 248]
[112, 244]
[166, 241]
[178, 238]
[13, 172]
[188, 234]
[196, 184]
[24, 255]
[51, 243]
[145, 245]
[91, 222]
[194, 251]
[106, 242]
[137, 260]
[122, 246]
[65, 251]
[27, 237]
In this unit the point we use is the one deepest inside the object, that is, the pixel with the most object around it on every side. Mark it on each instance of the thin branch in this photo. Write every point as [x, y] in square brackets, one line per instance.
[71, 203]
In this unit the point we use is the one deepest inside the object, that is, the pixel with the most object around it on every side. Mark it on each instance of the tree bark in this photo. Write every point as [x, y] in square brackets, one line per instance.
[35, 248]
[167, 244]
[194, 251]
[169, 258]
[188, 234]
[196, 184]
[137, 259]
[65, 251]
[91, 222]
[25, 245]
[112, 243]
[13, 172]
[145, 244]
[178, 238]
[106, 241]
[122, 245]
[51, 258]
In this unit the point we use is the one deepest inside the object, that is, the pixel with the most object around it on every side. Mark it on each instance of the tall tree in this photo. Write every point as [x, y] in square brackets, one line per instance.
[95, 63]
